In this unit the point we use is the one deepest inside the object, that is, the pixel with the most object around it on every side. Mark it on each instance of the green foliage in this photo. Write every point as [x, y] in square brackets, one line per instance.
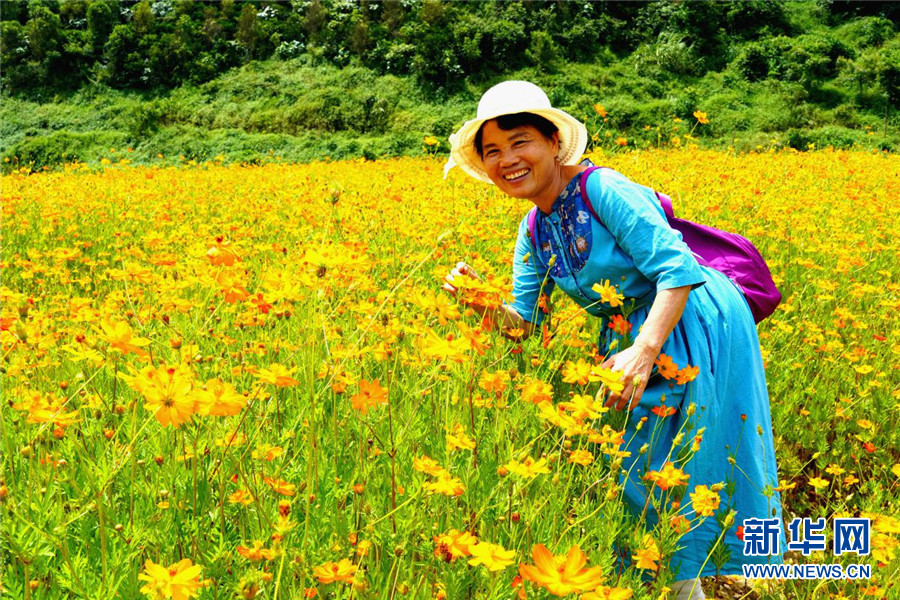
[830, 135]
[64, 146]
[756, 18]
[401, 70]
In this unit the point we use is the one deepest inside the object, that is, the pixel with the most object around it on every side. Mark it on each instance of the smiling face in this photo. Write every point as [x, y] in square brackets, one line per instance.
[520, 161]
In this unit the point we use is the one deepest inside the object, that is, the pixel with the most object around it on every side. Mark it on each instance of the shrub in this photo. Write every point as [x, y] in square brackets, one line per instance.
[65, 146]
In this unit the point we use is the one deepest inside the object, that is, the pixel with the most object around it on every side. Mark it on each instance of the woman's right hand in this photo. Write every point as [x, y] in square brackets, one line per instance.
[461, 270]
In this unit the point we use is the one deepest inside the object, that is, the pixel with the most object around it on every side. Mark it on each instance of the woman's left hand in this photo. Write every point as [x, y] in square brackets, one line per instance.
[635, 363]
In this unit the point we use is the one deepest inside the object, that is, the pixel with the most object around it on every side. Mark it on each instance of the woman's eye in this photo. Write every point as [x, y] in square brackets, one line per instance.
[519, 143]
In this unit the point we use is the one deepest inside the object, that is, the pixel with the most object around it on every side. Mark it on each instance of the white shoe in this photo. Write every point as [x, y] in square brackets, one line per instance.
[688, 589]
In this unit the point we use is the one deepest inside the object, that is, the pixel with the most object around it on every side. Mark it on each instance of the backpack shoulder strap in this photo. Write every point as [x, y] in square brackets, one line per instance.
[584, 192]
[663, 199]
[666, 204]
[532, 221]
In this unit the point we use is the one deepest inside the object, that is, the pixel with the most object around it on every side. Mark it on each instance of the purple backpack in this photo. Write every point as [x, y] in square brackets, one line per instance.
[723, 251]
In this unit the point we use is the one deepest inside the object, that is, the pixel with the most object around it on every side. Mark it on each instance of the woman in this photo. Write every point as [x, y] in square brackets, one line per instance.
[689, 312]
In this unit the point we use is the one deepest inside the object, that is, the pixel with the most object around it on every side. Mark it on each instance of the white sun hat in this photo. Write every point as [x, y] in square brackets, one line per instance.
[508, 98]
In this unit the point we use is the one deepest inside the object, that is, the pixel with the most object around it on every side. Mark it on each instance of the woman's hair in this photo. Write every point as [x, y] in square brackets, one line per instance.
[507, 122]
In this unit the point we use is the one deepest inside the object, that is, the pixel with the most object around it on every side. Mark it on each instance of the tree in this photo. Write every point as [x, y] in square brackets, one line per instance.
[248, 28]
[100, 20]
[543, 52]
[45, 35]
[315, 20]
[143, 18]
[360, 40]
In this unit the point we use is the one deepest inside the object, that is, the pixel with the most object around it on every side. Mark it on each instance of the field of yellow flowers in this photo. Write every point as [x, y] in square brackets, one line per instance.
[227, 381]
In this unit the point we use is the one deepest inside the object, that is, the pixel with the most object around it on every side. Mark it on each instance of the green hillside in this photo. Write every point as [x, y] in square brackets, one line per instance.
[307, 80]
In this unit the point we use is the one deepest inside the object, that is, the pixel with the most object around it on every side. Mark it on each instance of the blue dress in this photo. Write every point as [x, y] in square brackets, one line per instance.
[633, 247]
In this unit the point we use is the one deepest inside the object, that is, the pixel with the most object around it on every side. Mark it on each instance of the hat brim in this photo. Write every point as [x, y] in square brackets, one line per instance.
[573, 140]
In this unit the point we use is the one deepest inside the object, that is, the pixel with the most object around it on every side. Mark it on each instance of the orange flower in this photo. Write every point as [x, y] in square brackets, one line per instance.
[608, 593]
[446, 485]
[120, 337]
[277, 375]
[701, 117]
[221, 255]
[663, 411]
[667, 477]
[494, 383]
[581, 457]
[220, 399]
[687, 375]
[370, 395]
[619, 325]
[429, 466]
[705, 501]
[241, 497]
[561, 575]
[680, 524]
[536, 391]
[453, 544]
[280, 486]
[458, 440]
[256, 553]
[667, 368]
[621, 141]
[647, 555]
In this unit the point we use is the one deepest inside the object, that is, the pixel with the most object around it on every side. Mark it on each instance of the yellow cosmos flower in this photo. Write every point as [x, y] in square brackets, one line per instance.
[818, 482]
[536, 391]
[458, 440]
[241, 497]
[256, 552]
[178, 581]
[528, 468]
[609, 378]
[704, 501]
[561, 575]
[492, 556]
[608, 293]
[454, 544]
[120, 337]
[279, 486]
[220, 399]
[608, 593]
[371, 395]
[331, 572]
[447, 485]
[277, 375]
[577, 372]
[581, 457]
[429, 466]
[583, 407]
[647, 555]
[168, 392]
[667, 477]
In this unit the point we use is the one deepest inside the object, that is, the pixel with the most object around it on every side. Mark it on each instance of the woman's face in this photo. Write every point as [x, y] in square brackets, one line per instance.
[521, 161]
